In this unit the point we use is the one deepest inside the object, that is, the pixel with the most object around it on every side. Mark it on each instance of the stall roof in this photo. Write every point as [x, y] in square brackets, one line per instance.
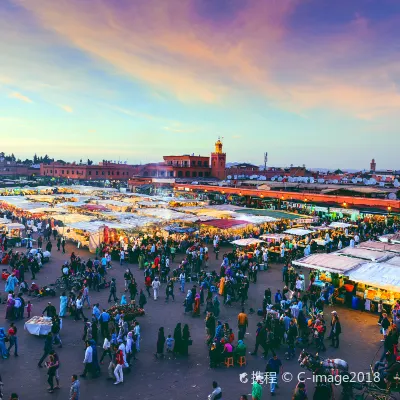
[246, 242]
[370, 244]
[273, 236]
[225, 223]
[271, 213]
[394, 261]
[342, 225]
[381, 275]
[15, 226]
[322, 228]
[393, 238]
[298, 232]
[365, 254]
[329, 262]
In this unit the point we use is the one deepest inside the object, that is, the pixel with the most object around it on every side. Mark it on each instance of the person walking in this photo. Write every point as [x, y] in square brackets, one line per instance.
[274, 369]
[74, 391]
[121, 256]
[88, 360]
[13, 339]
[48, 347]
[256, 391]
[63, 245]
[104, 320]
[170, 291]
[51, 372]
[216, 394]
[118, 372]
[336, 331]
[113, 291]
[156, 286]
[243, 323]
[160, 343]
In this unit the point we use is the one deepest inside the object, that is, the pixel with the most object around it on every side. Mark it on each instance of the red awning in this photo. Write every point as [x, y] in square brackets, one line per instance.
[225, 223]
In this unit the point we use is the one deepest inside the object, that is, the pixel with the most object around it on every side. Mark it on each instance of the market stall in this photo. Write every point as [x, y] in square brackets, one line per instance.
[14, 233]
[392, 238]
[38, 326]
[341, 225]
[377, 282]
[298, 232]
[247, 242]
[370, 244]
[365, 254]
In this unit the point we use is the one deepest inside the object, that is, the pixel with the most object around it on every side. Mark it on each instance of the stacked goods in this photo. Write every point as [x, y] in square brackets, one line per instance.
[40, 321]
[130, 311]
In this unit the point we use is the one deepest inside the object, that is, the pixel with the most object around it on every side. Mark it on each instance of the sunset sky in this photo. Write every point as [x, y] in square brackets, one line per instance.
[312, 82]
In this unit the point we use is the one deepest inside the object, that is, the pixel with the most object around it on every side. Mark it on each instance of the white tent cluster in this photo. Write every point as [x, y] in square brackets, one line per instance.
[372, 263]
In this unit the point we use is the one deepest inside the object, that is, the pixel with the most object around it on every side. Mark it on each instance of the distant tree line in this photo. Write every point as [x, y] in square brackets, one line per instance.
[46, 159]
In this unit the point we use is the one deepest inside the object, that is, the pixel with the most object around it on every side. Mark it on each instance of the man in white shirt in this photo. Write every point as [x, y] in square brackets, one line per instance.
[79, 308]
[88, 361]
[357, 239]
[352, 243]
[156, 286]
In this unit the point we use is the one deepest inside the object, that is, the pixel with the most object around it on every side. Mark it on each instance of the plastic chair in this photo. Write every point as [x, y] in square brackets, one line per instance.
[242, 361]
[229, 362]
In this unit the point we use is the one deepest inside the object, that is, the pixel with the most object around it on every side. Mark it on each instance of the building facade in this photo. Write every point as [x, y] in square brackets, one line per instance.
[218, 162]
[101, 171]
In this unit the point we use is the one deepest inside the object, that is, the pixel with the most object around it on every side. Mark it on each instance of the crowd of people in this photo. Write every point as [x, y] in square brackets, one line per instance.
[289, 317]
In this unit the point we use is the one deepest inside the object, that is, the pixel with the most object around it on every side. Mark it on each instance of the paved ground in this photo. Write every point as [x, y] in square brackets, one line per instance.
[168, 379]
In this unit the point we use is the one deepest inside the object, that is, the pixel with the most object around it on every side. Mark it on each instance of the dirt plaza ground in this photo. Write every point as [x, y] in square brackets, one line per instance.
[169, 378]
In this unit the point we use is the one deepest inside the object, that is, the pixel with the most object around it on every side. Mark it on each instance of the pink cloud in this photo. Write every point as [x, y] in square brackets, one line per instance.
[168, 47]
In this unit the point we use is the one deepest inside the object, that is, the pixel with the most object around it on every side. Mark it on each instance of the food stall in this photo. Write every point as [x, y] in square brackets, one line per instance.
[373, 245]
[39, 325]
[329, 267]
[14, 233]
[377, 282]
[365, 254]
[391, 238]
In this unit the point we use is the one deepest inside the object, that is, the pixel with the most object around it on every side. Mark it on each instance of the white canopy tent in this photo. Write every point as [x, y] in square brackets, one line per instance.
[329, 262]
[275, 237]
[394, 261]
[381, 275]
[365, 254]
[392, 238]
[342, 225]
[370, 244]
[298, 232]
[246, 242]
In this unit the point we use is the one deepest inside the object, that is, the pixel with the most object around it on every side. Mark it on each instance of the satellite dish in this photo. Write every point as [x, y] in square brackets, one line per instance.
[280, 179]
[396, 183]
[392, 196]
[372, 181]
[312, 180]
[273, 178]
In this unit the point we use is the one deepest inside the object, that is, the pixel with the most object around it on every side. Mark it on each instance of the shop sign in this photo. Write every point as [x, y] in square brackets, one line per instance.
[321, 209]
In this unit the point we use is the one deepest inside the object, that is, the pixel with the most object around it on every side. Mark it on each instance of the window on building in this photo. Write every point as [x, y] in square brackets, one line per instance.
[102, 172]
[108, 173]
[118, 173]
[194, 174]
[200, 174]
[67, 171]
[187, 174]
[171, 173]
[90, 172]
[180, 174]
[207, 174]
[206, 163]
[72, 172]
[193, 163]
[51, 171]
[214, 163]
[62, 171]
[199, 163]
[97, 172]
[221, 164]
[112, 172]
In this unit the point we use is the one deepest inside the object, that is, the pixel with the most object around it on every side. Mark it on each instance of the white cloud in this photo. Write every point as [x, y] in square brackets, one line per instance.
[19, 96]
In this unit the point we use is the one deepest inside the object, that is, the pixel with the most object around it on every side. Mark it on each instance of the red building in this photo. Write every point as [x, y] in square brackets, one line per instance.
[102, 171]
[189, 166]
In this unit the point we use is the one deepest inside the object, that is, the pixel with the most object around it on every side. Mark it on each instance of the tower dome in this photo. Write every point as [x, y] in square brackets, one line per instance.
[218, 146]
